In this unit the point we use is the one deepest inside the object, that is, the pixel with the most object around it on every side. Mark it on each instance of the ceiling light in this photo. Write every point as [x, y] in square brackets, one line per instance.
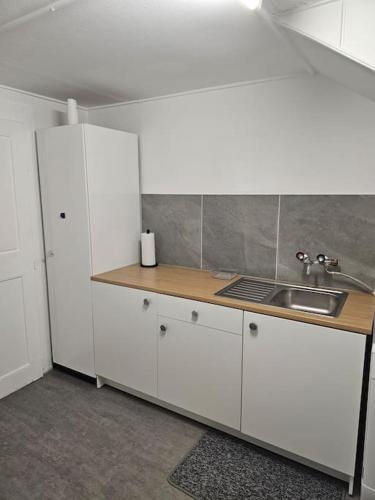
[252, 4]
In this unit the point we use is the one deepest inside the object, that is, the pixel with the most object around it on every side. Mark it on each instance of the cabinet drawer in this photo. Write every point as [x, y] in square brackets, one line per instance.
[201, 313]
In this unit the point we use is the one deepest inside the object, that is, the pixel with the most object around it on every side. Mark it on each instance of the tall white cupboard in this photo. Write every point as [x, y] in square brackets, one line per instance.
[91, 215]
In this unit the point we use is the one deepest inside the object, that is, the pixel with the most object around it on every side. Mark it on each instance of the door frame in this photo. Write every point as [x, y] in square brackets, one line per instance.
[23, 114]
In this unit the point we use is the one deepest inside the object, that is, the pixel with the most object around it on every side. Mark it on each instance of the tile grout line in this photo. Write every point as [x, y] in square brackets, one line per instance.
[201, 231]
[277, 237]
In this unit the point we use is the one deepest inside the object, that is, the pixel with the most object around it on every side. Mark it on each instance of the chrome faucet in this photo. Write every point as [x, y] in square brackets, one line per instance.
[306, 260]
[329, 263]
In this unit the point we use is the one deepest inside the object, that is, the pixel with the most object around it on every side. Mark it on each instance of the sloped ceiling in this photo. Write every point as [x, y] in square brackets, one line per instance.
[106, 51]
[336, 66]
[337, 38]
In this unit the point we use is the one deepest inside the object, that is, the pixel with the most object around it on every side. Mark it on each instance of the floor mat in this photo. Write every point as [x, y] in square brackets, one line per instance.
[221, 467]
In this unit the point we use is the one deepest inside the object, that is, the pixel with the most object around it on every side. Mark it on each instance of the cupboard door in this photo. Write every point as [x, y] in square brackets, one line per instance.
[67, 239]
[302, 388]
[199, 370]
[125, 336]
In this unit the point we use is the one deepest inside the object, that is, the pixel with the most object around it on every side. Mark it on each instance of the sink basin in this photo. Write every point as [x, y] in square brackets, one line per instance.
[308, 300]
[298, 297]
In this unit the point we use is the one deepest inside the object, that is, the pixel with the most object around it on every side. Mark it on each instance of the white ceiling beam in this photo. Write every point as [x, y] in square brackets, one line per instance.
[299, 6]
[285, 39]
[34, 14]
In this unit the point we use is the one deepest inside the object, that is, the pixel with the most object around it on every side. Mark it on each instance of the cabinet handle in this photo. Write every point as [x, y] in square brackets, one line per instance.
[50, 253]
[146, 302]
[163, 329]
[253, 328]
[194, 315]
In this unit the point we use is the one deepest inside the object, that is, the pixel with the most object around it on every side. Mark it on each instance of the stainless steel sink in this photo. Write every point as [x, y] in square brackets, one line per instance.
[313, 301]
[300, 298]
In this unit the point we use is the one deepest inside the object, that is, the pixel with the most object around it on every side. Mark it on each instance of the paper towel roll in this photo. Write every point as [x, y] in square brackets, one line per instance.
[148, 249]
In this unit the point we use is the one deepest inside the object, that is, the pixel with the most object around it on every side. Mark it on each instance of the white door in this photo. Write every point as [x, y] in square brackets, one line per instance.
[199, 370]
[125, 336]
[66, 229]
[20, 361]
[302, 388]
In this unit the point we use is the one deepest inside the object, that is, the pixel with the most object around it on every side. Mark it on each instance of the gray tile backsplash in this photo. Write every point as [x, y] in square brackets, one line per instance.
[259, 235]
[338, 226]
[240, 233]
[176, 221]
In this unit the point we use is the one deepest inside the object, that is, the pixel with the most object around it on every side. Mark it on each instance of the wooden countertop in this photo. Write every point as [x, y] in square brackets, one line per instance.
[356, 316]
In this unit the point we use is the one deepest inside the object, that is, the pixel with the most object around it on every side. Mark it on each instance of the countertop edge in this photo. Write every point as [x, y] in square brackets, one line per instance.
[249, 307]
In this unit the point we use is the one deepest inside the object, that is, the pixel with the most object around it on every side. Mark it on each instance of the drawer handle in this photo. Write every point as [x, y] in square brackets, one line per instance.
[163, 329]
[253, 328]
[146, 302]
[194, 315]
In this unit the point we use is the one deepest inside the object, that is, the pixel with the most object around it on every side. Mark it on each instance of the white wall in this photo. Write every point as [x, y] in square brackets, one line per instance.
[43, 113]
[297, 135]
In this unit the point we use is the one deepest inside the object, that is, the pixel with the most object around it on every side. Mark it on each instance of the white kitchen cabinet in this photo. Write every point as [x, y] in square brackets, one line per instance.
[291, 385]
[199, 369]
[191, 366]
[302, 389]
[91, 217]
[125, 336]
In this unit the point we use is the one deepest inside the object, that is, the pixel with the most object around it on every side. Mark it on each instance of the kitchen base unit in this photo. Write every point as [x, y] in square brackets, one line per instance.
[288, 386]
[302, 388]
[187, 362]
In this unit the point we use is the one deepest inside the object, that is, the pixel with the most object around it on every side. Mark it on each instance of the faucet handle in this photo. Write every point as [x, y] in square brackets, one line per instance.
[321, 258]
[301, 256]
[327, 261]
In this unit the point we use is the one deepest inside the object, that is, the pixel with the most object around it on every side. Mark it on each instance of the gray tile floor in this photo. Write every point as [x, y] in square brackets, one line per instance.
[63, 439]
